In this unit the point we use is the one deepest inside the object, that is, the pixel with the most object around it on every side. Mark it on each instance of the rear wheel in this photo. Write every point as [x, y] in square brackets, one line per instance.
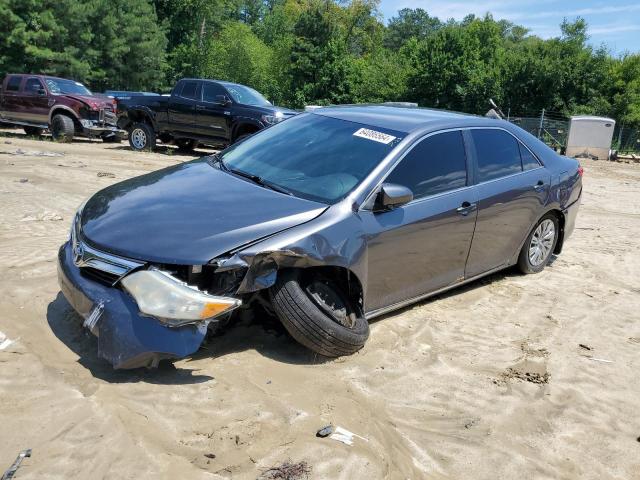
[142, 137]
[62, 128]
[539, 246]
[33, 131]
[318, 314]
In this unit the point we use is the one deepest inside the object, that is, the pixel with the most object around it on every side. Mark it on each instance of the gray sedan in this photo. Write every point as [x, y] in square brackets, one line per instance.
[327, 219]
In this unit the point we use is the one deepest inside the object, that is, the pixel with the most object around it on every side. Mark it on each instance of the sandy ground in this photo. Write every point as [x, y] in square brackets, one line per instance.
[486, 382]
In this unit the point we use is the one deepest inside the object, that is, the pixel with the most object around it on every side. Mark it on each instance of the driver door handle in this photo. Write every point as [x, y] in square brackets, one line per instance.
[466, 208]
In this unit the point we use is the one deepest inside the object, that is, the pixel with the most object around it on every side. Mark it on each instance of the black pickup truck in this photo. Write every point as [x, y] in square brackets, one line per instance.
[212, 112]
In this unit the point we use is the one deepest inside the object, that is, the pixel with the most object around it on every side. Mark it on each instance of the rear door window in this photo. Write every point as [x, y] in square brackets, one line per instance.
[190, 90]
[436, 164]
[497, 153]
[13, 85]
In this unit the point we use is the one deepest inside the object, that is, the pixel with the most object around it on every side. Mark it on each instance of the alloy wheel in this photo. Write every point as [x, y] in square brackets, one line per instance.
[139, 138]
[542, 242]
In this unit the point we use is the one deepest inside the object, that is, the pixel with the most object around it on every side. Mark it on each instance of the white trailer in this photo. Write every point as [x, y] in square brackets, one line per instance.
[590, 137]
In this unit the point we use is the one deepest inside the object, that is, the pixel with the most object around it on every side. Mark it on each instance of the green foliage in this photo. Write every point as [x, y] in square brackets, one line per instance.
[300, 52]
[106, 43]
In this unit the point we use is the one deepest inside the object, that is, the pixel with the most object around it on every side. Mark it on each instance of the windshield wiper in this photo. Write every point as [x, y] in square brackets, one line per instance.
[257, 180]
[218, 159]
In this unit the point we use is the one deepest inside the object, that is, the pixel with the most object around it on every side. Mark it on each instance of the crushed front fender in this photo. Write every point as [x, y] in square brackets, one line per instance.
[126, 339]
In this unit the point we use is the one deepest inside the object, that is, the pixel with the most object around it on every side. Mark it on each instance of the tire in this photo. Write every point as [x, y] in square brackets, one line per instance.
[142, 137]
[186, 144]
[536, 253]
[33, 131]
[62, 128]
[309, 324]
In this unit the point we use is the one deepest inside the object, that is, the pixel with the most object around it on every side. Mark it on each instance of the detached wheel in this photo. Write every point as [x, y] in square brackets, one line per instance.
[62, 128]
[33, 131]
[142, 137]
[539, 246]
[318, 314]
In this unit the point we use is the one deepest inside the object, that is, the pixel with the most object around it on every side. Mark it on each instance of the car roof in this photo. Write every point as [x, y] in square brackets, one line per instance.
[402, 119]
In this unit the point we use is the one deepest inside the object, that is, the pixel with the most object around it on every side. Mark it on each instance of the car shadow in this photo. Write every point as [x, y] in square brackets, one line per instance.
[467, 287]
[252, 331]
[19, 133]
[172, 150]
[66, 325]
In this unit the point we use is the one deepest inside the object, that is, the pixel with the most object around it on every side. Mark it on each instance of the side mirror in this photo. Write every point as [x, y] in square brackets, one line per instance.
[391, 196]
[222, 100]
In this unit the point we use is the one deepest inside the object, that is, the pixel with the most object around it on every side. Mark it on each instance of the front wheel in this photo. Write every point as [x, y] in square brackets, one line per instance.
[316, 312]
[62, 128]
[540, 244]
[142, 137]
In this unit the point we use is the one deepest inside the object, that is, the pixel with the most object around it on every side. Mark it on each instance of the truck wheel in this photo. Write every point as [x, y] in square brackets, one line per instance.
[62, 128]
[318, 314]
[33, 131]
[142, 137]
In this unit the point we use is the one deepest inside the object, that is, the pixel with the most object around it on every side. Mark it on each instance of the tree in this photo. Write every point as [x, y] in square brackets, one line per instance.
[409, 23]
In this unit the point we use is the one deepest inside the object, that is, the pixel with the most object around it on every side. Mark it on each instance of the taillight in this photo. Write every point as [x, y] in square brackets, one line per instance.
[580, 170]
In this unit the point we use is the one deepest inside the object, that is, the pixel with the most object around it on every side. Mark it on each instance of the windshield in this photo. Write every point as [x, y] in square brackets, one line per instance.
[246, 95]
[312, 156]
[59, 86]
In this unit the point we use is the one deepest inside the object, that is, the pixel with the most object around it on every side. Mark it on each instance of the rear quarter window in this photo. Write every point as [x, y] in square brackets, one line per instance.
[13, 85]
[529, 161]
[497, 153]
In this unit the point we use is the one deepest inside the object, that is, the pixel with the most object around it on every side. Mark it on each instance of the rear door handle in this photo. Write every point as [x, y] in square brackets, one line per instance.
[538, 187]
[466, 208]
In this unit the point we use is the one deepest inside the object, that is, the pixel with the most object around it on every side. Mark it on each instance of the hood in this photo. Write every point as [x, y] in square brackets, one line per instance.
[100, 101]
[188, 214]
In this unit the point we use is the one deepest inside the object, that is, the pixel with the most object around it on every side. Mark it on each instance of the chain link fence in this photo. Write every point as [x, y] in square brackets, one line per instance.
[553, 128]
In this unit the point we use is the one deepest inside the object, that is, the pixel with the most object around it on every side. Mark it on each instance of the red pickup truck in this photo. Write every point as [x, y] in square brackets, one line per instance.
[65, 107]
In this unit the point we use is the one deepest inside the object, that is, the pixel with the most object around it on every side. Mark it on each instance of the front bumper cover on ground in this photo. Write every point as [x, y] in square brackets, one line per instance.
[125, 338]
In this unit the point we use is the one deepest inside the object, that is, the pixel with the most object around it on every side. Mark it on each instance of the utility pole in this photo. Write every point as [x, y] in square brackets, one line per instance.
[541, 124]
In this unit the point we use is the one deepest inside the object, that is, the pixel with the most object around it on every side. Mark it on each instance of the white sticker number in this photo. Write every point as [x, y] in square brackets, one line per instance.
[374, 135]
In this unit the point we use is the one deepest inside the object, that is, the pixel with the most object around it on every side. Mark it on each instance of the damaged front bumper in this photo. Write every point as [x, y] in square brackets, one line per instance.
[98, 128]
[126, 338]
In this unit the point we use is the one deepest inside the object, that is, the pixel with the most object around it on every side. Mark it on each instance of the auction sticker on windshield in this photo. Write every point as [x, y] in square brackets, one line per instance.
[374, 135]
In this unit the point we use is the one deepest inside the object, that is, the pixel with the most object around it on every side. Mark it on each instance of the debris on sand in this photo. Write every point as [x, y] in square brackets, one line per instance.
[586, 347]
[35, 153]
[23, 180]
[13, 468]
[601, 360]
[325, 431]
[106, 174]
[43, 217]
[345, 436]
[287, 471]
[4, 341]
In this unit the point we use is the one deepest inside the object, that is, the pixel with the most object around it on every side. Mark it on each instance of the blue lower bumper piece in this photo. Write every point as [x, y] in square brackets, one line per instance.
[125, 338]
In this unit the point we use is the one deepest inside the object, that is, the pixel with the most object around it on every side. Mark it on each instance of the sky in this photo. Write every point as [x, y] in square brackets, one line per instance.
[615, 23]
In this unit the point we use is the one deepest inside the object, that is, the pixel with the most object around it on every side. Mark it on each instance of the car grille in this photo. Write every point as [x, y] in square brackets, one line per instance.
[100, 266]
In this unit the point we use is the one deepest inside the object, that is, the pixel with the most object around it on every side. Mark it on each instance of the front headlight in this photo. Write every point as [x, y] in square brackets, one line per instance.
[273, 119]
[160, 295]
